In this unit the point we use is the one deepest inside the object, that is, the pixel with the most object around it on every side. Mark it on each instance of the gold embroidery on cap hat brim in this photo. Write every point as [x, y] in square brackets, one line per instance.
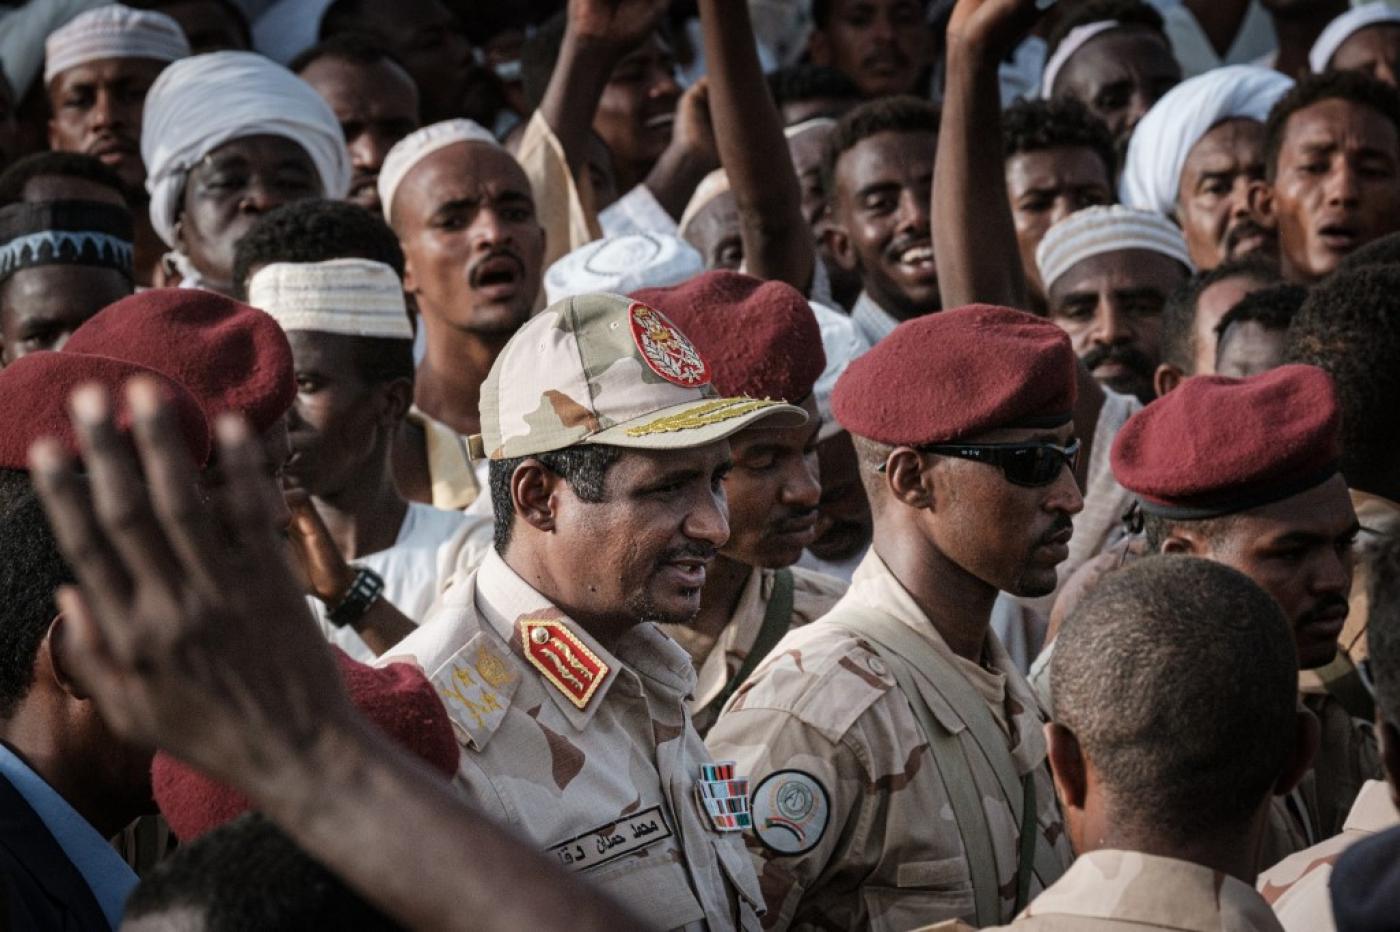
[711, 412]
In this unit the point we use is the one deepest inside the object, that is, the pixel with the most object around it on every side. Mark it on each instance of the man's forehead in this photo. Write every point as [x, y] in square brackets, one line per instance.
[1060, 165]
[462, 170]
[1323, 509]
[1321, 123]
[107, 70]
[1226, 141]
[894, 154]
[1122, 269]
[1117, 54]
[644, 463]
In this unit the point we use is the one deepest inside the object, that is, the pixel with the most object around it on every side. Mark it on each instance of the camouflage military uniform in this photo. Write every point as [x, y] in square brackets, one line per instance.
[813, 595]
[874, 842]
[1134, 892]
[608, 788]
[1297, 888]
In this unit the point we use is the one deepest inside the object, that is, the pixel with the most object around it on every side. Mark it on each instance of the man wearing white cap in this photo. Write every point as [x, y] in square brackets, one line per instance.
[1108, 272]
[1195, 155]
[1365, 38]
[97, 70]
[473, 247]
[227, 137]
[352, 346]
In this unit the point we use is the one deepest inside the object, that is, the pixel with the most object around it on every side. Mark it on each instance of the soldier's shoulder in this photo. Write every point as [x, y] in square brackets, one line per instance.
[822, 674]
[814, 594]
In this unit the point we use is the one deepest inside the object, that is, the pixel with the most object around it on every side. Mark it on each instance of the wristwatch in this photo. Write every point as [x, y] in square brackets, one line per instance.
[362, 594]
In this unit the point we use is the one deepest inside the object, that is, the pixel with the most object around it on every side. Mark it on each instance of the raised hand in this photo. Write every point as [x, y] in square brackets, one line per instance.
[622, 23]
[694, 131]
[992, 28]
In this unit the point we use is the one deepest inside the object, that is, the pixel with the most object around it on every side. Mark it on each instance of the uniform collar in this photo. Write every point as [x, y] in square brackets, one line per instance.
[450, 470]
[738, 636]
[1160, 893]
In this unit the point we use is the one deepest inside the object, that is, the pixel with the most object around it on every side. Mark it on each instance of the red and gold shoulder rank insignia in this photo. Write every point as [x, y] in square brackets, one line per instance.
[562, 658]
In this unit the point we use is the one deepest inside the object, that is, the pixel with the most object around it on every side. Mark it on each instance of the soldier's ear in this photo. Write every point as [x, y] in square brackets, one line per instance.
[532, 488]
[1067, 765]
[908, 481]
[1166, 378]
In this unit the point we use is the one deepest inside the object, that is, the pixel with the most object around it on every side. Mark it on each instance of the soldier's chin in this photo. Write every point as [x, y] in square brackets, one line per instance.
[1035, 582]
[667, 605]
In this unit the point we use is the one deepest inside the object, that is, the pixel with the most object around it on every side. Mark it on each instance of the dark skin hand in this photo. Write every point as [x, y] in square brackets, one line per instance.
[170, 641]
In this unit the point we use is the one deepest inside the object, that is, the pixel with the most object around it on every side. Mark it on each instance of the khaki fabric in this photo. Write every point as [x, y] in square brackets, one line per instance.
[454, 482]
[824, 710]
[609, 788]
[1297, 886]
[813, 595]
[563, 205]
[1106, 891]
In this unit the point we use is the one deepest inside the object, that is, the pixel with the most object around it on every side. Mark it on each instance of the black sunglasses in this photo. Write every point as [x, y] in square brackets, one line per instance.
[1028, 464]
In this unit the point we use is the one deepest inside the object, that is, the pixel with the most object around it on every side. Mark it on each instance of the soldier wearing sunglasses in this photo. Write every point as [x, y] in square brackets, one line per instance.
[895, 755]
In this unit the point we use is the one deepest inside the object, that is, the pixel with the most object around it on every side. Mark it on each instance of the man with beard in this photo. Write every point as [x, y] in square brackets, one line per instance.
[878, 176]
[473, 251]
[374, 99]
[871, 805]
[1331, 171]
[884, 46]
[608, 451]
[1245, 471]
[1197, 153]
[1192, 316]
[353, 350]
[98, 69]
[761, 340]
[1108, 272]
[227, 137]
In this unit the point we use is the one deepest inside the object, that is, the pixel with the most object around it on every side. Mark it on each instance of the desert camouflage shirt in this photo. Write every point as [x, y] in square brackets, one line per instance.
[853, 826]
[588, 753]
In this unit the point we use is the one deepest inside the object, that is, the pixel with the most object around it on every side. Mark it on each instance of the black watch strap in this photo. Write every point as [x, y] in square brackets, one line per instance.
[363, 593]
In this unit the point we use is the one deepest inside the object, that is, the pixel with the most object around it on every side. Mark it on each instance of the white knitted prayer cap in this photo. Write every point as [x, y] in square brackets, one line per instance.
[352, 297]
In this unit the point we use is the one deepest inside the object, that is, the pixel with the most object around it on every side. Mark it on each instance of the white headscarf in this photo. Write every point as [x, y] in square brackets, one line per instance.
[1167, 133]
[622, 265]
[1094, 231]
[198, 104]
[1344, 27]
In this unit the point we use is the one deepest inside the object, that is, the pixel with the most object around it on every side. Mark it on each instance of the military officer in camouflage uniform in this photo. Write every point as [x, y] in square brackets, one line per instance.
[607, 453]
[895, 754]
[761, 339]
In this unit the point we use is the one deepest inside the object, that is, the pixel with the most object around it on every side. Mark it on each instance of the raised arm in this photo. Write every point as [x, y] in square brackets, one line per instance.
[749, 133]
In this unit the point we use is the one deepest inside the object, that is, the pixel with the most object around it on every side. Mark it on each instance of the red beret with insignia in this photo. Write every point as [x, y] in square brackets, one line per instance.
[397, 698]
[36, 389]
[230, 356]
[1216, 445]
[758, 338]
[956, 374]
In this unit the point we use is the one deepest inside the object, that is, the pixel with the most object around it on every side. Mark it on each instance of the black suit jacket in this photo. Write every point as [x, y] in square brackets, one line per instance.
[40, 887]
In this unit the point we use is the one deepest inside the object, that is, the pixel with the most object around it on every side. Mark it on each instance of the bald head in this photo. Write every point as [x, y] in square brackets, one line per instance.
[1178, 678]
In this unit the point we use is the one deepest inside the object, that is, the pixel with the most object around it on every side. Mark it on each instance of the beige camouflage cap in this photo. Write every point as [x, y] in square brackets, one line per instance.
[602, 368]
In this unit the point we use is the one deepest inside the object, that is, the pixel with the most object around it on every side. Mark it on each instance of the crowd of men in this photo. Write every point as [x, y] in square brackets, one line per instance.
[700, 464]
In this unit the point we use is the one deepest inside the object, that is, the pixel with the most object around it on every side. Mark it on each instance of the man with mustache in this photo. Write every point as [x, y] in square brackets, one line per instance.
[1331, 171]
[895, 755]
[1197, 153]
[473, 250]
[761, 340]
[884, 46]
[97, 70]
[1107, 274]
[608, 448]
[878, 176]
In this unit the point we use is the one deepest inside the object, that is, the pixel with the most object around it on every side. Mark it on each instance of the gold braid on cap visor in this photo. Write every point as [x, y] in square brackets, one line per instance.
[703, 415]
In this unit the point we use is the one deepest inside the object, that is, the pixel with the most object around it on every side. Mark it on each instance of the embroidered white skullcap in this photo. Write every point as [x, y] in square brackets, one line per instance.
[113, 31]
[1094, 231]
[199, 103]
[288, 28]
[420, 144]
[711, 186]
[842, 344]
[797, 129]
[622, 265]
[353, 297]
[1073, 41]
[1344, 27]
[1167, 133]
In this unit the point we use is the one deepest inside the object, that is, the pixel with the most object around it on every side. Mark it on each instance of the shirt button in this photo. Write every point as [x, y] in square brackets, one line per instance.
[877, 666]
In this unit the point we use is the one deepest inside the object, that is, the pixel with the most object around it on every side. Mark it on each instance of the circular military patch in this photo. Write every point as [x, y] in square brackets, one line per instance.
[791, 810]
[665, 350]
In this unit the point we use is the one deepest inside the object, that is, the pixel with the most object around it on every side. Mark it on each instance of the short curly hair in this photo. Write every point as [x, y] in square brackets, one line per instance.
[315, 231]
[1179, 313]
[901, 113]
[1124, 12]
[1272, 308]
[1352, 86]
[797, 83]
[1037, 125]
[1350, 326]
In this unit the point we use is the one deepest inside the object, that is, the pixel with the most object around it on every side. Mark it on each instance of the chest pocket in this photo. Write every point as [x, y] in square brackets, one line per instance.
[739, 874]
[653, 885]
[924, 892]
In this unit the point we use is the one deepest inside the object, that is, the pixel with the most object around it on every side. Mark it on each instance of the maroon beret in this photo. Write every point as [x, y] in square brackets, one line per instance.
[1217, 445]
[958, 373]
[759, 338]
[230, 356]
[397, 698]
[36, 389]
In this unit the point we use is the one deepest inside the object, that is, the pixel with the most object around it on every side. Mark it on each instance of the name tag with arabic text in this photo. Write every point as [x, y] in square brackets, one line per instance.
[609, 842]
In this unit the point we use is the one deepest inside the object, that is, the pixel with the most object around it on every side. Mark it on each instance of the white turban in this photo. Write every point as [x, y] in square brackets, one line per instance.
[1344, 27]
[113, 31]
[622, 265]
[1168, 132]
[1094, 231]
[842, 344]
[418, 145]
[1073, 41]
[353, 297]
[200, 103]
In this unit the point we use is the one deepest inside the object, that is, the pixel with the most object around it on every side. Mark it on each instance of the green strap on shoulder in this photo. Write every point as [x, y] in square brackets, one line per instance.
[1343, 682]
[777, 618]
